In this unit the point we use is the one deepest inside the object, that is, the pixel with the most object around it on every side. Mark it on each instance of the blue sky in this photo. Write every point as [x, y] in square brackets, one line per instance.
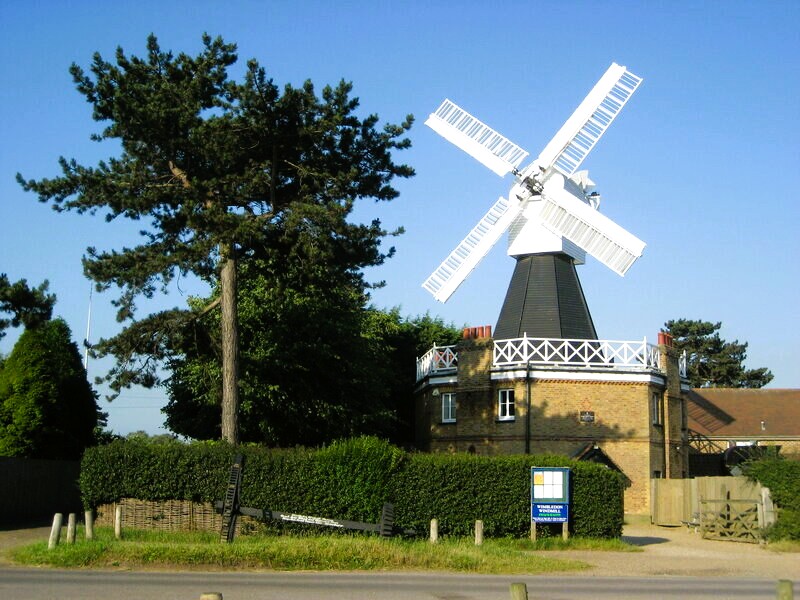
[702, 164]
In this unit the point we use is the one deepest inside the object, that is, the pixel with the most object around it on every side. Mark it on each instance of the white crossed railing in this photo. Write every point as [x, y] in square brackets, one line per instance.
[587, 353]
[554, 352]
[439, 359]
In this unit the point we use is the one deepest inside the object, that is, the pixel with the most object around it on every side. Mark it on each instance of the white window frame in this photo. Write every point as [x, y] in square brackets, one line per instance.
[448, 407]
[506, 406]
[657, 407]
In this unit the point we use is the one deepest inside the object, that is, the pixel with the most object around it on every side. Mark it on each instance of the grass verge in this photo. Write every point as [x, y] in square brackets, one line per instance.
[186, 550]
[784, 546]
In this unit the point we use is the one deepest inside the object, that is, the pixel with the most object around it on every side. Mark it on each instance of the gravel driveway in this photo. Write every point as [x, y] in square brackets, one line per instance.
[9, 538]
[681, 552]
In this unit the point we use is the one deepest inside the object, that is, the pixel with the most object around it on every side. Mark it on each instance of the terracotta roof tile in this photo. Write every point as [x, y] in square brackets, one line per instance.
[735, 413]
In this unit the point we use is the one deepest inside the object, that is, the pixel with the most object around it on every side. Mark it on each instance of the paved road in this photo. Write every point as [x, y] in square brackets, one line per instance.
[47, 584]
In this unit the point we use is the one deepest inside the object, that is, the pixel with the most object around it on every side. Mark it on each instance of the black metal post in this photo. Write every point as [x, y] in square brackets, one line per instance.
[528, 407]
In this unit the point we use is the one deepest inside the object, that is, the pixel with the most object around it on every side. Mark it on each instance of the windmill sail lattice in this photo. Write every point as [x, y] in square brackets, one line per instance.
[550, 206]
[461, 261]
[589, 122]
[476, 138]
[565, 215]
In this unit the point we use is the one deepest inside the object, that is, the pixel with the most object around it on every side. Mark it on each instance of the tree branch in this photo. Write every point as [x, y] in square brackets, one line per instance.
[180, 174]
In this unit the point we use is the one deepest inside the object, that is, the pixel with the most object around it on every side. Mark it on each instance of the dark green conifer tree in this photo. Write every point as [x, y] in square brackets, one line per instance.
[47, 407]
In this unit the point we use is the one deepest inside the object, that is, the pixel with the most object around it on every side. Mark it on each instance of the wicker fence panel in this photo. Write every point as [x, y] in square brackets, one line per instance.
[162, 515]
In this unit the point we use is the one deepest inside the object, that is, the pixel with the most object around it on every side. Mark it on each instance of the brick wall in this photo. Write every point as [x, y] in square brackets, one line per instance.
[621, 427]
[675, 416]
[789, 447]
[623, 421]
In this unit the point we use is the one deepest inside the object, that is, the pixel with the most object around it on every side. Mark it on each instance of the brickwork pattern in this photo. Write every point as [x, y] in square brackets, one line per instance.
[623, 425]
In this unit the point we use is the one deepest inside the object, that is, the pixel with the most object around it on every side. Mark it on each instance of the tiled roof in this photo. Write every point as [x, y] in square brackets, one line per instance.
[545, 300]
[736, 413]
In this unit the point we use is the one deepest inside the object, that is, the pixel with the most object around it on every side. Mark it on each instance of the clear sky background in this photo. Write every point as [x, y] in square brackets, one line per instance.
[703, 164]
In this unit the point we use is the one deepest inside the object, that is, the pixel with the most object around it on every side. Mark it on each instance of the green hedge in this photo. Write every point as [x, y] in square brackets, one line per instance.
[782, 477]
[352, 479]
[457, 489]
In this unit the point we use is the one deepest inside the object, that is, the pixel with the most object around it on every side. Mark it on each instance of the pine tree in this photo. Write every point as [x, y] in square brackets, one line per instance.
[26, 305]
[712, 361]
[221, 170]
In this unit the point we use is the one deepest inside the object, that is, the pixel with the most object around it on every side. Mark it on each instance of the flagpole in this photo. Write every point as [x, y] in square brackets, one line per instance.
[88, 330]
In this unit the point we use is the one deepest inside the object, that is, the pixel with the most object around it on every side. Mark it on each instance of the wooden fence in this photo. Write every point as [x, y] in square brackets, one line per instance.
[163, 515]
[32, 488]
[727, 508]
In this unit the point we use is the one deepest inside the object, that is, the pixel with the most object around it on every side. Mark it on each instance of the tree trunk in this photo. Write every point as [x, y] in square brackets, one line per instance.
[230, 346]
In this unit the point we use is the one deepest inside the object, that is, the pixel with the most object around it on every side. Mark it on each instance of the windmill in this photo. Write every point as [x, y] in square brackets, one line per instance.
[551, 216]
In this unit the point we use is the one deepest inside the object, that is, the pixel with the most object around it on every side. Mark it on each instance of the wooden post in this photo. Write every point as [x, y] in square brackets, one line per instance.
[71, 528]
[769, 507]
[565, 530]
[88, 520]
[519, 591]
[785, 589]
[434, 531]
[478, 532]
[533, 531]
[55, 531]
[118, 521]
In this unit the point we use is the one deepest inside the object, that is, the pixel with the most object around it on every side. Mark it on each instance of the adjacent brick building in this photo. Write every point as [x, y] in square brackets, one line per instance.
[623, 401]
[721, 418]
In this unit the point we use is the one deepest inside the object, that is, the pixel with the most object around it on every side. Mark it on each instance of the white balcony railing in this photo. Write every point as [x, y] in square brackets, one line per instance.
[610, 354]
[576, 353]
[439, 359]
[683, 365]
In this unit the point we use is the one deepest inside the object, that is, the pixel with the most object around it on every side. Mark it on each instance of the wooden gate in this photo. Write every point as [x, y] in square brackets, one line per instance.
[730, 508]
[730, 520]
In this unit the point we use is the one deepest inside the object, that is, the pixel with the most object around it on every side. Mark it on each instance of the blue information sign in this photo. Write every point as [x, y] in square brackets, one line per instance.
[550, 513]
[549, 494]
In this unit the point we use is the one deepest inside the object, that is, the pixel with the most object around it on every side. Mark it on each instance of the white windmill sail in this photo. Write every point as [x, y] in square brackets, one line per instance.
[589, 122]
[567, 216]
[562, 212]
[461, 261]
[476, 138]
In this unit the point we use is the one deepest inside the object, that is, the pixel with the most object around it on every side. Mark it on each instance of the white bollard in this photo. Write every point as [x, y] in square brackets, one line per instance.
[434, 531]
[55, 531]
[88, 519]
[71, 528]
[478, 533]
[785, 589]
[118, 522]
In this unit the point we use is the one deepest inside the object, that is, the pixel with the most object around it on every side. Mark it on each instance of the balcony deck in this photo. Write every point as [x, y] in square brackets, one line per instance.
[555, 353]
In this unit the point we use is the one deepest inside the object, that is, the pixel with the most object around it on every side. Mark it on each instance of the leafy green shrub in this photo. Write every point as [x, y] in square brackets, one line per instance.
[458, 489]
[782, 477]
[787, 526]
[148, 471]
[351, 480]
